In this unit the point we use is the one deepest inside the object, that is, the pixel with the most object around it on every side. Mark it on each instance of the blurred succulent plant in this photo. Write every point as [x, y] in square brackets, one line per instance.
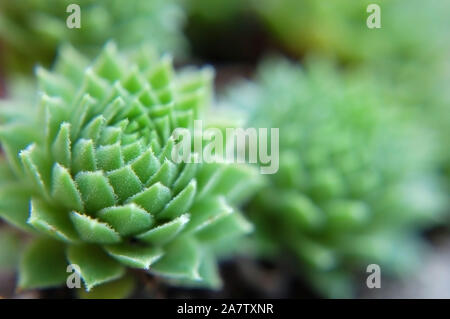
[409, 53]
[31, 30]
[216, 11]
[339, 28]
[356, 181]
[89, 173]
[10, 244]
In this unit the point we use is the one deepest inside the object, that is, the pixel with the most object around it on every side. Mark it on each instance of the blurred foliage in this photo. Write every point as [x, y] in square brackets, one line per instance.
[409, 53]
[410, 29]
[31, 30]
[10, 248]
[357, 177]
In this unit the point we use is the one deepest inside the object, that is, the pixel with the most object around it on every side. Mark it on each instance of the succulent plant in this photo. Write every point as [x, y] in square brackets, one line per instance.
[31, 30]
[88, 173]
[356, 182]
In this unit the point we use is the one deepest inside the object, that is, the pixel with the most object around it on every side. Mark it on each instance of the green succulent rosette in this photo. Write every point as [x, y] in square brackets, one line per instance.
[356, 182]
[31, 30]
[215, 11]
[88, 172]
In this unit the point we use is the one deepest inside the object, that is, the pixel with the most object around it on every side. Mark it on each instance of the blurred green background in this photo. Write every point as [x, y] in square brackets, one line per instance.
[364, 118]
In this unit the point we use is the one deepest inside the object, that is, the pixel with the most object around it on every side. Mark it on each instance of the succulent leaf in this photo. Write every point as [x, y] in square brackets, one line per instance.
[96, 267]
[43, 265]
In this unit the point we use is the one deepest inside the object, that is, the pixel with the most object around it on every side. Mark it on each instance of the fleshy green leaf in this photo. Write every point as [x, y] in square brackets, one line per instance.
[52, 221]
[14, 204]
[208, 177]
[186, 175]
[127, 220]
[96, 267]
[53, 85]
[166, 232]
[209, 271]
[33, 171]
[132, 151]
[14, 138]
[64, 189]
[95, 190]
[43, 265]
[181, 260]
[109, 157]
[165, 175]
[117, 289]
[83, 156]
[205, 212]
[135, 256]
[181, 203]
[93, 129]
[145, 165]
[125, 182]
[237, 183]
[80, 114]
[226, 226]
[61, 146]
[10, 249]
[93, 231]
[54, 114]
[109, 137]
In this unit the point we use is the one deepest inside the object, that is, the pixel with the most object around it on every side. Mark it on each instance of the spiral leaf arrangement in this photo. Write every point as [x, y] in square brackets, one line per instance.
[88, 173]
[31, 30]
[352, 188]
